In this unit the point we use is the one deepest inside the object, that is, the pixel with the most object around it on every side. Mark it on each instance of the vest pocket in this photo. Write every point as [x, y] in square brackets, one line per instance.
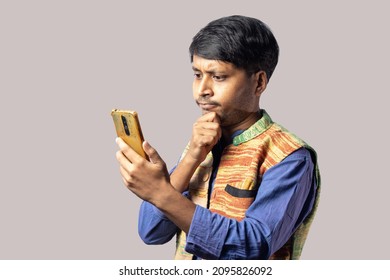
[231, 201]
[236, 192]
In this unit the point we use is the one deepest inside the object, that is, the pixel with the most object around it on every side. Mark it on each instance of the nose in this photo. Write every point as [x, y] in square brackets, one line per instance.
[203, 88]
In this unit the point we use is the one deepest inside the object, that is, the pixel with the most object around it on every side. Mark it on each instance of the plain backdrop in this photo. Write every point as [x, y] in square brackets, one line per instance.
[65, 64]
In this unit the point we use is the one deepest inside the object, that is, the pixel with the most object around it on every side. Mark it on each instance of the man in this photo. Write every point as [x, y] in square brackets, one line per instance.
[245, 187]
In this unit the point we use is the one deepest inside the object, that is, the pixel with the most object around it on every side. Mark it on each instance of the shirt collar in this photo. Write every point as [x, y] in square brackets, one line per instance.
[254, 130]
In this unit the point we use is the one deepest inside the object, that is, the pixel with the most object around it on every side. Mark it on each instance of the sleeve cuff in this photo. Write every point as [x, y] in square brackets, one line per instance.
[207, 234]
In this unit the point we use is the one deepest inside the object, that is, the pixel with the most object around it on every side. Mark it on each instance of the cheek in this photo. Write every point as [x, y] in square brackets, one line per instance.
[231, 97]
[194, 89]
[223, 93]
[238, 100]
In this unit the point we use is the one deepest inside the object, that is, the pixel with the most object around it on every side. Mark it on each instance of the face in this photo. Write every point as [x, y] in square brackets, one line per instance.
[222, 88]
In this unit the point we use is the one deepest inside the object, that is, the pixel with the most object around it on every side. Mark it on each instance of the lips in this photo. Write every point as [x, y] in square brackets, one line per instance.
[207, 106]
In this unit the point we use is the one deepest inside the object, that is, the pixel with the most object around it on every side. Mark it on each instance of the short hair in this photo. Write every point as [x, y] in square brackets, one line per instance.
[246, 42]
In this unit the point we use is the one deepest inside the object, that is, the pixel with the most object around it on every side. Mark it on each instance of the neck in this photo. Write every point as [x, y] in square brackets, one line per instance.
[245, 123]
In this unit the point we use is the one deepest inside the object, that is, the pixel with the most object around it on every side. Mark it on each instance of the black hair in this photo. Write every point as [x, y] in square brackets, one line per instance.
[246, 42]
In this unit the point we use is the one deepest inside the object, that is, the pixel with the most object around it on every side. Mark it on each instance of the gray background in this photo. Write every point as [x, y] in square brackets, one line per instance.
[65, 64]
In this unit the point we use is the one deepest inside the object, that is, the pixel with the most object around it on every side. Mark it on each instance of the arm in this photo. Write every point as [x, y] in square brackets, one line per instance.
[206, 132]
[284, 198]
[150, 181]
[153, 226]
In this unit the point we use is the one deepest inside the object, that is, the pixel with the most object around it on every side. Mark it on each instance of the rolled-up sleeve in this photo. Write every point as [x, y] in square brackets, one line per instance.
[153, 226]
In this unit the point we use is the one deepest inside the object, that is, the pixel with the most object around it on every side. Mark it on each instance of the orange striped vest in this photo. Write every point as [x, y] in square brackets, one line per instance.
[242, 166]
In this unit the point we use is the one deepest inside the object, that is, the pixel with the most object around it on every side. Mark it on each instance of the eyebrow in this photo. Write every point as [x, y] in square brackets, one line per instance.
[212, 71]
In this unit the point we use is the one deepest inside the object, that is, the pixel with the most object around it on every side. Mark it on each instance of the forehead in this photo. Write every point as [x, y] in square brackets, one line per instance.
[211, 65]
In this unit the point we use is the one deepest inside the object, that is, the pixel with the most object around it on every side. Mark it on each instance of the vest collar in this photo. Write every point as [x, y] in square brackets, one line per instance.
[255, 130]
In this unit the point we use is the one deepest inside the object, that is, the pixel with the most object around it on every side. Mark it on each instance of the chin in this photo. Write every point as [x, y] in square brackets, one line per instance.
[204, 112]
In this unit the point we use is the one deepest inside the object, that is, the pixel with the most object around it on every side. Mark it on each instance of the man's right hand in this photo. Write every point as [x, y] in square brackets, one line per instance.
[206, 132]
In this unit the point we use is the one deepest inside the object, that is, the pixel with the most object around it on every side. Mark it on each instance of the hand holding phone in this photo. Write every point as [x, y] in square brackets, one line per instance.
[128, 128]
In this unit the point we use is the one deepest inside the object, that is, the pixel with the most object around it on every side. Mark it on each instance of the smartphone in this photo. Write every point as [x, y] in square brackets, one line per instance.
[128, 128]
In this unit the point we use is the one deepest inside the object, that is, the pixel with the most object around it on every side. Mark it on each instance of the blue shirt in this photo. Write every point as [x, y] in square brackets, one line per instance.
[285, 197]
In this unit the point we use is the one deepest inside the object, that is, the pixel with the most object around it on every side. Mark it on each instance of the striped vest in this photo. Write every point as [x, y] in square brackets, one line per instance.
[242, 166]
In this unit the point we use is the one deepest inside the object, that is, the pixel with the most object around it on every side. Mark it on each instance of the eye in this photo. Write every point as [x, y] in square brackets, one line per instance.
[197, 75]
[219, 78]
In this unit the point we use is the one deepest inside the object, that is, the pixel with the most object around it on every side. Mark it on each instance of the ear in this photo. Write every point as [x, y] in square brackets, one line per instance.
[262, 81]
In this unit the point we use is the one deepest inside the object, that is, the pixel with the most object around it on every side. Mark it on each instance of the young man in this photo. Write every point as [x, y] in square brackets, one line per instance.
[244, 188]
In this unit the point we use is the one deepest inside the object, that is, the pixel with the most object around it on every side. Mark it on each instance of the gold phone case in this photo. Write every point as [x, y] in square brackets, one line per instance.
[129, 129]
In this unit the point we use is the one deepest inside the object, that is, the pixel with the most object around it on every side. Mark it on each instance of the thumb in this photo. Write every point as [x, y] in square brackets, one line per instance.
[152, 153]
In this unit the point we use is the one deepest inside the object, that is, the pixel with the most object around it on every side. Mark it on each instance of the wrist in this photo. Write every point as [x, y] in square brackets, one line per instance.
[176, 208]
[191, 161]
[166, 197]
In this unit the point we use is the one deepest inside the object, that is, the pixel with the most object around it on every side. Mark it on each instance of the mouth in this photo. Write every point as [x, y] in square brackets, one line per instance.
[207, 106]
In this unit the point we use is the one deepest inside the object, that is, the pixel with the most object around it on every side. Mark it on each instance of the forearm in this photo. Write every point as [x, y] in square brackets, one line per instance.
[176, 208]
[213, 236]
[206, 133]
[153, 226]
[183, 172]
